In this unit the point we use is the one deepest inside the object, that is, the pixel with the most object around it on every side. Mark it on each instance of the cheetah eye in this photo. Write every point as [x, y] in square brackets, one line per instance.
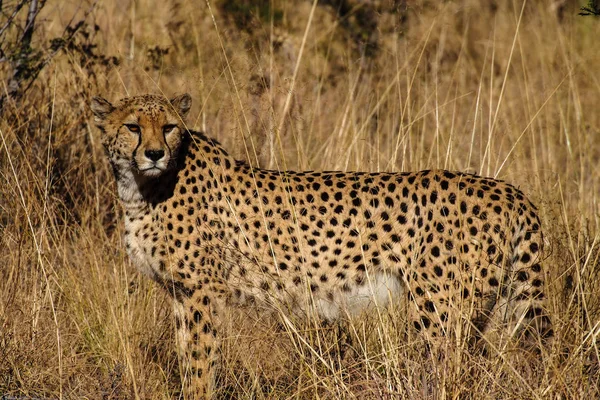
[168, 128]
[133, 128]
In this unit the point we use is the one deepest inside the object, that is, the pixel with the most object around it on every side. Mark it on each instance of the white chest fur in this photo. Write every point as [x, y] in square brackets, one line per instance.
[139, 248]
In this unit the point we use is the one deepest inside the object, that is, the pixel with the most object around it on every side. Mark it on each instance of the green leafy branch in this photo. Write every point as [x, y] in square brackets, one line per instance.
[592, 8]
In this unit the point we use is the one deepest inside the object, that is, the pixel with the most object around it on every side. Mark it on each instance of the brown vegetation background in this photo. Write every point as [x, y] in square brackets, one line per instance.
[502, 88]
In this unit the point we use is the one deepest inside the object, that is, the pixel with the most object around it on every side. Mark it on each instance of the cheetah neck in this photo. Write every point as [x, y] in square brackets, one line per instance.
[139, 195]
[129, 186]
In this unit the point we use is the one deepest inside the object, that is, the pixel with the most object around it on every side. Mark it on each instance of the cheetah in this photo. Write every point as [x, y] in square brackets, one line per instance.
[216, 232]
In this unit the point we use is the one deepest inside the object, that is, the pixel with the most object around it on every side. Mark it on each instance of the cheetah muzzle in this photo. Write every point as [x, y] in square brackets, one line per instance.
[215, 231]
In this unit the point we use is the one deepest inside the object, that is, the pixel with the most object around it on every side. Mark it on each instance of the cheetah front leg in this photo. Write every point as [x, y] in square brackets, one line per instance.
[197, 344]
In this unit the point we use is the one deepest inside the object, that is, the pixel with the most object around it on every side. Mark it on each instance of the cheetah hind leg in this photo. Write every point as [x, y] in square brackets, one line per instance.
[523, 323]
[520, 312]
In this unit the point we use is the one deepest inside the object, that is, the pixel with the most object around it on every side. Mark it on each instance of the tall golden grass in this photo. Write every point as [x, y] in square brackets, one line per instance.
[508, 89]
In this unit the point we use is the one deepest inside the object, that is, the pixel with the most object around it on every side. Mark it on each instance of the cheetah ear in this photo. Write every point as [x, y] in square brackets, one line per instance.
[182, 104]
[101, 108]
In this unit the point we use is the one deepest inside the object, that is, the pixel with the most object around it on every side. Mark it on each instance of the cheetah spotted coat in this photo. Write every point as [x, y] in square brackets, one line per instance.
[215, 232]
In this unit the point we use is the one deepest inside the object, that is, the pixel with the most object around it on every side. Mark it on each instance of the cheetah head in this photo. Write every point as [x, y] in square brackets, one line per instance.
[142, 133]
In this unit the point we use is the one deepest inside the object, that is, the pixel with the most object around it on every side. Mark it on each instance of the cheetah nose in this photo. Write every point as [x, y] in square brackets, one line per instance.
[154, 155]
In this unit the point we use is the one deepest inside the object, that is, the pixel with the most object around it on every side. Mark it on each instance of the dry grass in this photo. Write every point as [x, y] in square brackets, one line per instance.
[506, 91]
